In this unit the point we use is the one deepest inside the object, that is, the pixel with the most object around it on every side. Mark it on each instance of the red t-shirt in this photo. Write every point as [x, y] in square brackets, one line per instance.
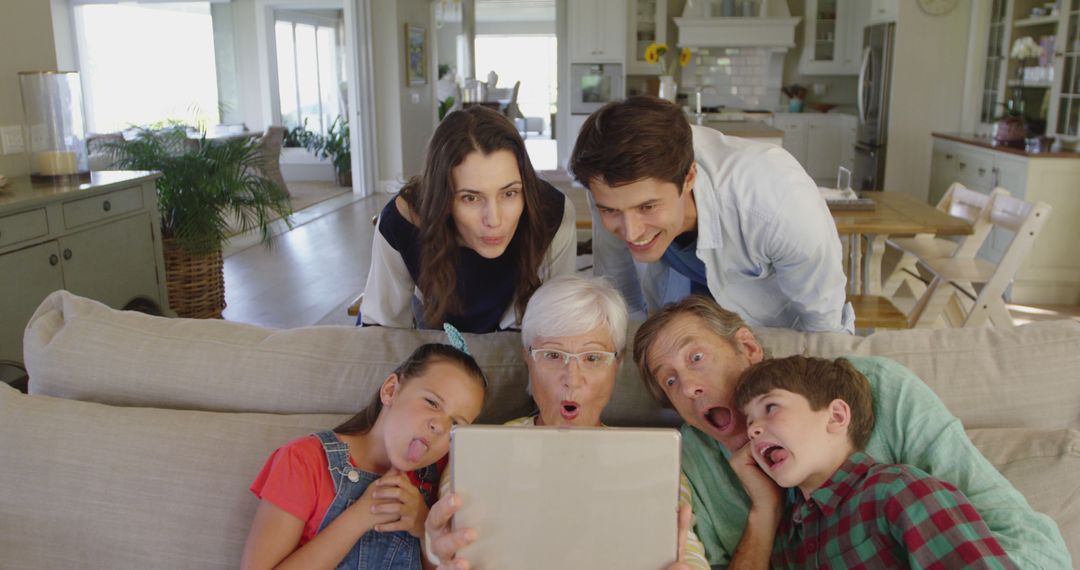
[296, 479]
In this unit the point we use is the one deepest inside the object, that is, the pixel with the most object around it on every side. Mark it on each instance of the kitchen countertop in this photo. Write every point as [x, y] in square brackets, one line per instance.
[746, 129]
[988, 143]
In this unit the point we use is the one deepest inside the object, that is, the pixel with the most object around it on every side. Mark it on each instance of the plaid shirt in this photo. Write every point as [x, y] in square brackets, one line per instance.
[873, 515]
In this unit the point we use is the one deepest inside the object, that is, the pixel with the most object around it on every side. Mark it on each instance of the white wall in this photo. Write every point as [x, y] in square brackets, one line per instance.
[26, 44]
[516, 27]
[389, 80]
[248, 80]
[417, 103]
[228, 81]
[927, 91]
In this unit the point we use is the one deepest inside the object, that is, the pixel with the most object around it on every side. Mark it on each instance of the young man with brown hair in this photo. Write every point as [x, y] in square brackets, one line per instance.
[809, 420]
[736, 219]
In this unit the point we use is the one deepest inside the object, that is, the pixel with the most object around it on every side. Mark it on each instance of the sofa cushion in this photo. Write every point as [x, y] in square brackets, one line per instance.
[1024, 377]
[96, 486]
[1042, 465]
[81, 349]
[78, 348]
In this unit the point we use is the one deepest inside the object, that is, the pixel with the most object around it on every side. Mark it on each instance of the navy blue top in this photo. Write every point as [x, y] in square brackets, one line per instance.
[484, 286]
[681, 256]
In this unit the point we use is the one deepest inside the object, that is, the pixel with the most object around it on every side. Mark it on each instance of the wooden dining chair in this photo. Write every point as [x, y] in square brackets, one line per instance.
[960, 202]
[960, 278]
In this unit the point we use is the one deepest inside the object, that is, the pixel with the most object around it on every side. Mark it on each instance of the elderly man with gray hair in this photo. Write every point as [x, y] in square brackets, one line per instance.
[691, 355]
[573, 335]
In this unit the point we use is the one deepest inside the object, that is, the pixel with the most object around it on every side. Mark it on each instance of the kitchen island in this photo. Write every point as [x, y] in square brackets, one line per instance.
[1051, 272]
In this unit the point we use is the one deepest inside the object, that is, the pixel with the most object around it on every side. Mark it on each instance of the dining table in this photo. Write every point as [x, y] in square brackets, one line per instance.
[893, 214]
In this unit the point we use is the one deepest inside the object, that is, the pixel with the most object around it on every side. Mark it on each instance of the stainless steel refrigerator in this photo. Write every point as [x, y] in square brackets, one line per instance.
[875, 80]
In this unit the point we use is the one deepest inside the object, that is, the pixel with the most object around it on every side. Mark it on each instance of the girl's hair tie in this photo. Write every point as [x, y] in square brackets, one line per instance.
[454, 338]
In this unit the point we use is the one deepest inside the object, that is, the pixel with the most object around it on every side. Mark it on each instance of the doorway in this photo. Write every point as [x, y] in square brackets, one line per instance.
[311, 79]
[530, 59]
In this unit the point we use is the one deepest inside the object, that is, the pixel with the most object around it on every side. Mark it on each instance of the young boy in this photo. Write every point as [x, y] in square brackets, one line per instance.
[808, 420]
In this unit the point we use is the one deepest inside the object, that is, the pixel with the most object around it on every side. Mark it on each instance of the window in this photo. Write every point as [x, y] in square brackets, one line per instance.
[146, 63]
[308, 71]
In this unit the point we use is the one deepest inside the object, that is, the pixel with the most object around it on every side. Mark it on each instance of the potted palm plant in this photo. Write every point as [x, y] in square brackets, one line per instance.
[335, 146]
[206, 191]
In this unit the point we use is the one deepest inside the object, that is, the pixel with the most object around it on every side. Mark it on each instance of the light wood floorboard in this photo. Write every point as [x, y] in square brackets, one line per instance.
[307, 273]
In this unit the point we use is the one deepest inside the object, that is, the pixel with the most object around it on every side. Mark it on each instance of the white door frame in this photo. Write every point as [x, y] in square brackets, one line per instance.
[358, 77]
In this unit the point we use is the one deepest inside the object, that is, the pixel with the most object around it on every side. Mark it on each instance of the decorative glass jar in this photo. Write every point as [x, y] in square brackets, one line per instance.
[55, 131]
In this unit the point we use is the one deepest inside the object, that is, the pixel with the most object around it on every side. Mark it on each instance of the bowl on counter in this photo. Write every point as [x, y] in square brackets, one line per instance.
[824, 107]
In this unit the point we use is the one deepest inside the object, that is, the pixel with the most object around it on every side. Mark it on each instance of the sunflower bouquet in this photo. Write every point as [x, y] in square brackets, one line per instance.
[657, 53]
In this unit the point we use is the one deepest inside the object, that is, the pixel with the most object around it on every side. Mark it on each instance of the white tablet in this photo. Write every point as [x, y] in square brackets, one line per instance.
[568, 498]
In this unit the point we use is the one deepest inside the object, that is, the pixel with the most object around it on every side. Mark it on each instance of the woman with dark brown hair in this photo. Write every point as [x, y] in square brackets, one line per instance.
[468, 241]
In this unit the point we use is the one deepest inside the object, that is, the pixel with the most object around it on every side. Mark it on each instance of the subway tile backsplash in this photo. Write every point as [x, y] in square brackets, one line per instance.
[746, 78]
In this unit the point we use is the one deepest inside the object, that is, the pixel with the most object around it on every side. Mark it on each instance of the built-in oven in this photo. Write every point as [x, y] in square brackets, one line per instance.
[594, 84]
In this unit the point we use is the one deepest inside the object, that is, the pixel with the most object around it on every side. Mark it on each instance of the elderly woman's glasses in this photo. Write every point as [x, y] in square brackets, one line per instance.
[589, 361]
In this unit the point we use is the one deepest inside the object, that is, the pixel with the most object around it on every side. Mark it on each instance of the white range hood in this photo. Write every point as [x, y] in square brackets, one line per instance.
[737, 32]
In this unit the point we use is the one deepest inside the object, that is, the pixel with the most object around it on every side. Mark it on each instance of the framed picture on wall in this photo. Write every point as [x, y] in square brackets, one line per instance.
[415, 55]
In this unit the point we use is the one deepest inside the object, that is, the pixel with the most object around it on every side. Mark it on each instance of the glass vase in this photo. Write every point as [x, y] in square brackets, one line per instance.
[667, 87]
[55, 131]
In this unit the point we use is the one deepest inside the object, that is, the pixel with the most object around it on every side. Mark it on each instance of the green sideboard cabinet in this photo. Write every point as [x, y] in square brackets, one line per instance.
[100, 239]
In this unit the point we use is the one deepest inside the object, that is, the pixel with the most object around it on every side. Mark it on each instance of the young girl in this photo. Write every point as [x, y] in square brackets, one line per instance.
[474, 235]
[349, 498]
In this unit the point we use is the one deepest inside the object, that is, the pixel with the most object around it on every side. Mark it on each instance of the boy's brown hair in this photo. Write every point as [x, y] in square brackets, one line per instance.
[631, 140]
[818, 380]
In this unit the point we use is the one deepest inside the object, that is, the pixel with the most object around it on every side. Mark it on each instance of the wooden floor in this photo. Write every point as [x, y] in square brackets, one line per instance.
[311, 273]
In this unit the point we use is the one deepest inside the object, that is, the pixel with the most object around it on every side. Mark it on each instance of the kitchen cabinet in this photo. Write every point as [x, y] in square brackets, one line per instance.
[99, 240]
[597, 30]
[832, 37]
[820, 142]
[647, 24]
[1064, 117]
[1050, 90]
[1051, 273]
[881, 11]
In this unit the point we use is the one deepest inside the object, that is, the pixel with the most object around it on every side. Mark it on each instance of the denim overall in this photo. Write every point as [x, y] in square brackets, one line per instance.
[374, 550]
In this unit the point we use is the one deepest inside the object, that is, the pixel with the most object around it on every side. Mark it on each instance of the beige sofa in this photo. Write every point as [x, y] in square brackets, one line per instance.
[142, 434]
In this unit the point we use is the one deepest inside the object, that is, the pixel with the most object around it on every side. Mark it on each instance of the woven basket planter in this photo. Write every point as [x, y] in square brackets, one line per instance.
[196, 283]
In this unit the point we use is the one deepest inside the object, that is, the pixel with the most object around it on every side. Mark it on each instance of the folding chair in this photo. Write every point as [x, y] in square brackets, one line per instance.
[955, 277]
[961, 202]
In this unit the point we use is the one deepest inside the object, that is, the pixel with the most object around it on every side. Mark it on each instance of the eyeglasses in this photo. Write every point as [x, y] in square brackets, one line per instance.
[589, 361]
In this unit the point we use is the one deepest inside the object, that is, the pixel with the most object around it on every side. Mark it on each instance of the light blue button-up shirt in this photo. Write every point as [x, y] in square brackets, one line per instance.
[769, 245]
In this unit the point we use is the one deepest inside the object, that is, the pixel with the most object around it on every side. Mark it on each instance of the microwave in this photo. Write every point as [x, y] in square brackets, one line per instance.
[592, 85]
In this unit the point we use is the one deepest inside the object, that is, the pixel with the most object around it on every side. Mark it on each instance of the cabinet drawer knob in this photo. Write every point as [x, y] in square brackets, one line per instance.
[106, 205]
[67, 253]
[948, 157]
[962, 164]
[53, 259]
[982, 172]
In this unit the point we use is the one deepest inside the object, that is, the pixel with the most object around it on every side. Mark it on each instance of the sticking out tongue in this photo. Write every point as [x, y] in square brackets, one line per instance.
[776, 455]
[416, 450]
[720, 418]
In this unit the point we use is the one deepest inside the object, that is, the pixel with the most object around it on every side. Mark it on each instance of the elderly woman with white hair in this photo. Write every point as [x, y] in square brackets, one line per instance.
[574, 337]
